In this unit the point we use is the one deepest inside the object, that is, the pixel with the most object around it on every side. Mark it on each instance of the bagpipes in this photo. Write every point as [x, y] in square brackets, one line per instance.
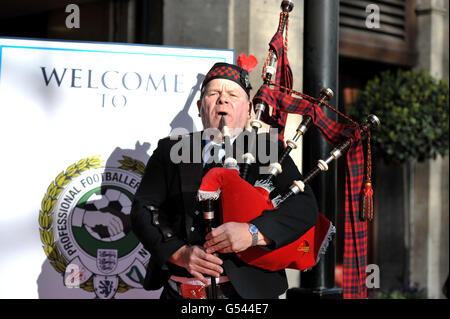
[243, 202]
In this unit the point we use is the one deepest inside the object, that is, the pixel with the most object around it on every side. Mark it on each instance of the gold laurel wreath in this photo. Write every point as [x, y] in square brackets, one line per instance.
[130, 164]
[55, 188]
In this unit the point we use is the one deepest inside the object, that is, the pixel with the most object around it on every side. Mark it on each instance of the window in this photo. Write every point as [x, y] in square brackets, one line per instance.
[378, 30]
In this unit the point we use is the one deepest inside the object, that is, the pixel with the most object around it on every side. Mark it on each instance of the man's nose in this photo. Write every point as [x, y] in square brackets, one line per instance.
[223, 98]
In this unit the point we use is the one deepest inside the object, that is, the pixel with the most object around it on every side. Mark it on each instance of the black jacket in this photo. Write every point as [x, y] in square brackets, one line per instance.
[171, 188]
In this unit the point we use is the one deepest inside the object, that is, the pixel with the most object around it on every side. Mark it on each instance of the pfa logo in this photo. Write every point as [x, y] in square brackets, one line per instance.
[86, 230]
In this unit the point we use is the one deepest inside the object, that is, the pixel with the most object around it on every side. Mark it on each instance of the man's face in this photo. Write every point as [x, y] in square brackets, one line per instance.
[226, 96]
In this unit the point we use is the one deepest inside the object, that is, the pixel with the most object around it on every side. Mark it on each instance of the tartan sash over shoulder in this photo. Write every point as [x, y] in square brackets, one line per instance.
[355, 238]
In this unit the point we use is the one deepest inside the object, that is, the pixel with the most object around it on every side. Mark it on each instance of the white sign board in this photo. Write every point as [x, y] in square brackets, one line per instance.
[78, 122]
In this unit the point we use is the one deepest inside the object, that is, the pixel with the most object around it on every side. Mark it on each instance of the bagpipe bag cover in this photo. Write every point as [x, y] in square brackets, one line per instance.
[242, 202]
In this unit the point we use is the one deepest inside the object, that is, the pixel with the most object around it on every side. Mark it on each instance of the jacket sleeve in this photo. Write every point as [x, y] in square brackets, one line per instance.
[149, 222]
[294, 217]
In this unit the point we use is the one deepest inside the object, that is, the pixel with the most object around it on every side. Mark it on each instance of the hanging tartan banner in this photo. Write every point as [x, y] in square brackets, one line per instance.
[282, 102]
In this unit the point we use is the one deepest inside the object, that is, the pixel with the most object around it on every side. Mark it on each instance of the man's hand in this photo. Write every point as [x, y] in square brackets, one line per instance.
[231, 237]
[197, 262]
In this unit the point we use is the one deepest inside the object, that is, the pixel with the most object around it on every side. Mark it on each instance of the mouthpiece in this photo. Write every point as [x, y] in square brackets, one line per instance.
[224, 123]
[229, 161]
[226, 132]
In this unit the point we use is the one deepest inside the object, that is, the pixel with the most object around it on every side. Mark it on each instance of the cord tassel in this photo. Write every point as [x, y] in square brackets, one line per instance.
[366, 209]
[367, 202]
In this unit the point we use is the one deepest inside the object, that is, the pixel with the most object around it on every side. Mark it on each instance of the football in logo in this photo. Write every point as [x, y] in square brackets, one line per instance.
[85, 227]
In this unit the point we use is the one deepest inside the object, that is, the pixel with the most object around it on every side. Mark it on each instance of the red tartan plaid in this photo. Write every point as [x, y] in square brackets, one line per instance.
[284, 75]
[355, 235]
[284, 78]
[355, 238]
[223, 71]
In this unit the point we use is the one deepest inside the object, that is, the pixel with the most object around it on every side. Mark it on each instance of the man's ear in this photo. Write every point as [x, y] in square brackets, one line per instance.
[249, 110]
[199, 106]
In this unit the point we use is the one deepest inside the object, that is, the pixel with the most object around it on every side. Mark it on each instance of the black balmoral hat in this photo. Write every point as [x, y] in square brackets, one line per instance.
[230, 72]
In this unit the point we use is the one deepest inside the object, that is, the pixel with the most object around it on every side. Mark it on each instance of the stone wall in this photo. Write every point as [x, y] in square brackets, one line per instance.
[429, 238]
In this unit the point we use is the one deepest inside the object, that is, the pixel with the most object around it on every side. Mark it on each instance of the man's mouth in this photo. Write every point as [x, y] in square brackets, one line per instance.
[223, 115]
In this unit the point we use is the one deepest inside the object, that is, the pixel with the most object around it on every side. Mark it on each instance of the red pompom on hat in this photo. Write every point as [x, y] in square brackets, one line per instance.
[247, 62]
[242, 202]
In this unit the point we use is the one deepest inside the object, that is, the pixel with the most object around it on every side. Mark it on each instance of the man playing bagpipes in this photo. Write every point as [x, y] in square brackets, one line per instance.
[167, 216]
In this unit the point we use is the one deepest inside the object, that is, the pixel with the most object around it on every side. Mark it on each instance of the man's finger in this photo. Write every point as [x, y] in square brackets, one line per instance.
[213, 258]
[200, 277]
[210, 268]
[214, 233]
[205, 263]
[215, 240]
[218, 247]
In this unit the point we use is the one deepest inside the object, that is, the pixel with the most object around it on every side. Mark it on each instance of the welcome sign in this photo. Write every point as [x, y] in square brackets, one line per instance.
[78, 123]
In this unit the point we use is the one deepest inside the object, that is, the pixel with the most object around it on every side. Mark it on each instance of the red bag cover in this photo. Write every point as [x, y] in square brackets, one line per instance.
[242, 202]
